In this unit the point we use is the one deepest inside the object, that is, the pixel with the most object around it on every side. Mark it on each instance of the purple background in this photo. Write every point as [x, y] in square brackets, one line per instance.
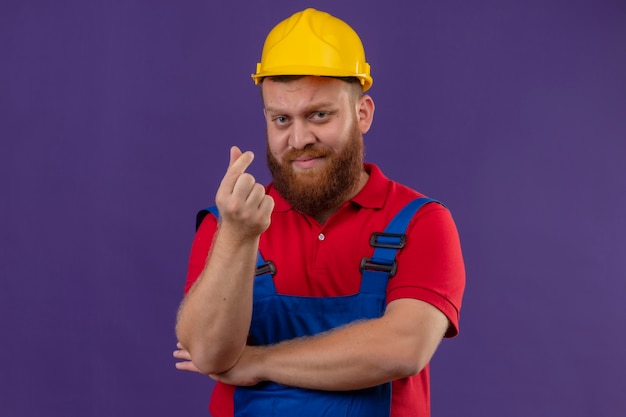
[115, 123]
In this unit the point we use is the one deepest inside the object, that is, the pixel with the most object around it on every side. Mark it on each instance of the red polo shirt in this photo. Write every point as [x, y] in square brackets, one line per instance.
[323, 261]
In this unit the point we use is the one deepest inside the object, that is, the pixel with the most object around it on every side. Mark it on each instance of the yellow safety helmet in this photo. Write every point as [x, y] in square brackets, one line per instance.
[312, 42]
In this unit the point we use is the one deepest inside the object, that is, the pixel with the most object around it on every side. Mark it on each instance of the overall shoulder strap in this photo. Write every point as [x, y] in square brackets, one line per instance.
[386, 245]
[203, 213]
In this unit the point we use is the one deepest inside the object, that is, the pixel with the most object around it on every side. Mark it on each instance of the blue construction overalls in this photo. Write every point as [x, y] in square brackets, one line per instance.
[277, 317]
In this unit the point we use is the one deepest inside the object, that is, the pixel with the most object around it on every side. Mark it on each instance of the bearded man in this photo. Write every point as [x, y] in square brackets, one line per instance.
[327, 292]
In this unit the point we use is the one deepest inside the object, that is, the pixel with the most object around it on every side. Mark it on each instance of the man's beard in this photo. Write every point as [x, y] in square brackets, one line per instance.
[315, 191]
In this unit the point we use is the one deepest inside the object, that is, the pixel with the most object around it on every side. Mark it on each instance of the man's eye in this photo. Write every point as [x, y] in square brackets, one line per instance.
[320, 115]
[281, 120]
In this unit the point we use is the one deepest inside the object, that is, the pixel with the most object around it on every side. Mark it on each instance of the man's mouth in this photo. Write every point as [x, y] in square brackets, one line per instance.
[306, 162]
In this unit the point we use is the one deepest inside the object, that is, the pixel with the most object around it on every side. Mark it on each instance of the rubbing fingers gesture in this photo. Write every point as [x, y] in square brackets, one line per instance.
[243, 205]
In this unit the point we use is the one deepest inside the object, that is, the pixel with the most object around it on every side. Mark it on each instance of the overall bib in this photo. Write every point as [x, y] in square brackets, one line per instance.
[277, 317]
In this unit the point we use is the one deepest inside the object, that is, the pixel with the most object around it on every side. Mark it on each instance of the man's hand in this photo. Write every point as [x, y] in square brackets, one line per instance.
[241, 374]
[245, 209]
[186, 364]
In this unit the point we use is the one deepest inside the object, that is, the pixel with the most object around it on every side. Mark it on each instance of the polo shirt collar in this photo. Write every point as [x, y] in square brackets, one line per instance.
[373, 195]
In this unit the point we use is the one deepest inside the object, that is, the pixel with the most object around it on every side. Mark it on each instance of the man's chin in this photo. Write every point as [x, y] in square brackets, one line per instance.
[307, 180]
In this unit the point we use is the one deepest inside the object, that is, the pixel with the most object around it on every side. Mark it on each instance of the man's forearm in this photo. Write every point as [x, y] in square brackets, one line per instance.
[214, 319]
[349, 358]
[356, 356]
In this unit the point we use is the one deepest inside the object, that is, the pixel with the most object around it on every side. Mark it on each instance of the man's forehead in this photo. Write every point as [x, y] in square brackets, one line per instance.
[301, 92]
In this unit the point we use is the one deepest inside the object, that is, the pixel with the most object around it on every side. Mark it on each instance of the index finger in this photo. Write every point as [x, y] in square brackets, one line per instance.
[237, 166]
[235, 153]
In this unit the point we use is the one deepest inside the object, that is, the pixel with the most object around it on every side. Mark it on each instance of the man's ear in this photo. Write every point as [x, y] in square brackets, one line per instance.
[365, 112]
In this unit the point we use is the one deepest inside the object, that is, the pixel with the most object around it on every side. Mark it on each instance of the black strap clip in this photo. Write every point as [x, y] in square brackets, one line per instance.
[380, 262]
[388, 240]
[267, 268]
[369, 264]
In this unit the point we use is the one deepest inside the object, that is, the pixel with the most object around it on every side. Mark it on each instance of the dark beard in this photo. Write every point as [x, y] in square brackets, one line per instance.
[317, 191]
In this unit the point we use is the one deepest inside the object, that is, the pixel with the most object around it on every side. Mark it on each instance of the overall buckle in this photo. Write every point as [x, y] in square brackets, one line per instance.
[267, 268]
[388, 240]
[369, 264]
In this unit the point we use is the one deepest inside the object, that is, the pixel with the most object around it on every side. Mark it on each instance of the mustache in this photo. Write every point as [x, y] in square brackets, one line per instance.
[309, 151]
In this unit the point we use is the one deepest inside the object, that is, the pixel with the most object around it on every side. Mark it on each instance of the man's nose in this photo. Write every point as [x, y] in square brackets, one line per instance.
[301, 135]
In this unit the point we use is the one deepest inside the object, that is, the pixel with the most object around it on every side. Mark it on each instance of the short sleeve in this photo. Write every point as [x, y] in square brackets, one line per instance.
[430, 267]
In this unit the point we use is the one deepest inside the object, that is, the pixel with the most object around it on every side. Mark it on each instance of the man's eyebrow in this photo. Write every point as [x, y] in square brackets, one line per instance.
[308, 109]
[271, 110]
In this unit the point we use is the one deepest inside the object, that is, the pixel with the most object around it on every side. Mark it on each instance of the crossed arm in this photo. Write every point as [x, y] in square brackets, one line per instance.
[359, 355]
